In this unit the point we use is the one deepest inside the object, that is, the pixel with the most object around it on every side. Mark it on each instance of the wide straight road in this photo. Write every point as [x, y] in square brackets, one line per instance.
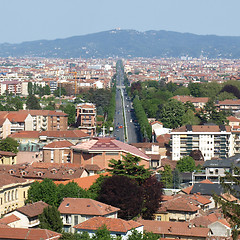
[124, 115]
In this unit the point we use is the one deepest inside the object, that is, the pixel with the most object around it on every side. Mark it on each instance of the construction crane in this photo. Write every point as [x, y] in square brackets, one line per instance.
[75, 81]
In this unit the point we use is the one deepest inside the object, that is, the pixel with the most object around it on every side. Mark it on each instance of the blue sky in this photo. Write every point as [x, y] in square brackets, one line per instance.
[27, 20]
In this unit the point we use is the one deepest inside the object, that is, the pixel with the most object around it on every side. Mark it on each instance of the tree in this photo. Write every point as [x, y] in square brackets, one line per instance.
[102, 234]
[135, 235]
[167, 177]
[51, 106]
[190, 118]
[9, 144]
[30, 88]
[71, 111]
[51, 219]
[176, 179]
[45, 191]
[129, 167]
[32, 103]
[195, 89]
[186, 164]
[231, 210]
[152, 195]
[47, 90]
[58, 90]
[196, 155]
[71, 190]
[95, 188]
[171, 114]
[124, 193]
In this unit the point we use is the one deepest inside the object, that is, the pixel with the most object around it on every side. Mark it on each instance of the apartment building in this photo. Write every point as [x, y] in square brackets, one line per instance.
[86, 118]
[229, 104]
[48, 119]
[212, 140]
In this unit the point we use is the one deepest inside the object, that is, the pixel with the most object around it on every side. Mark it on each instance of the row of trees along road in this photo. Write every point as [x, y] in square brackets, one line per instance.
[154, 97]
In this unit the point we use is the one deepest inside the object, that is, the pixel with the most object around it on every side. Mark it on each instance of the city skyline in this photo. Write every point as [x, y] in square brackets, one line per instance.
[34, 20]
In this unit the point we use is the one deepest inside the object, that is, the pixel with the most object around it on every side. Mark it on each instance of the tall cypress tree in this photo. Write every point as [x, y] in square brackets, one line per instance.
[50, 219]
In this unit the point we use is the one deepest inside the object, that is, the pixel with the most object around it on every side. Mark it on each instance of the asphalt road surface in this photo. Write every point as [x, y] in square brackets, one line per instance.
[124, 115]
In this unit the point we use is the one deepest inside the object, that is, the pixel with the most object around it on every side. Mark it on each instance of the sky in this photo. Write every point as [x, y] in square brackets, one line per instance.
[28, 20]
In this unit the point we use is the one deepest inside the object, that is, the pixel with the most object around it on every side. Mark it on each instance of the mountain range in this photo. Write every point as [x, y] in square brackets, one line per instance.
[128, 44]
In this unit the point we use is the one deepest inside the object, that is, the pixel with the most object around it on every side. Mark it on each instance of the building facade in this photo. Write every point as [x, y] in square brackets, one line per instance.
[86, 118]
[213, 141]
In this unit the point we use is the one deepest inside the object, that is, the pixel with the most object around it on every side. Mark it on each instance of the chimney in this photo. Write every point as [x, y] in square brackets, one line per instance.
[190, 225]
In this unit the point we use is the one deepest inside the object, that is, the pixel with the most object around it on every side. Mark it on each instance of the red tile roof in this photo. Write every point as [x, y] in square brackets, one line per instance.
[112, 224]
[202, 128]
[174, 228]
[83, 182]
[51, 134]
[29, 234]
[9, 219]
[110, 144]
[59, 144]
[85, 206]
[33, 210]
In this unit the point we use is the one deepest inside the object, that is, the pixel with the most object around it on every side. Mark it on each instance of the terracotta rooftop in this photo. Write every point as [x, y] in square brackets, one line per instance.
[179, 204]
[174, 228]
[72, 134]
[59, 144]
[9, 219]
[233, 119]
[29, 234]
[184, 99]
[84, 182]
[32, 210]
[6, 179]
[110, 144]
[112, 224]
[85, 206]
[202, 128]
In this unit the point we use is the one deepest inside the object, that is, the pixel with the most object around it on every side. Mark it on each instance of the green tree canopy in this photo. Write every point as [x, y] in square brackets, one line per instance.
[9, 144]
[129, 167]
[52, 194]
[45, 191]
[171, 114]
[71, 111]
[186, 164]
[51, 219]
[167, 177]
[32, 103]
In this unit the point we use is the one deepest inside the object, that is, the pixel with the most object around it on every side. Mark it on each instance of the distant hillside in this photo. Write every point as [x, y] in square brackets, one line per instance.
[128, 43]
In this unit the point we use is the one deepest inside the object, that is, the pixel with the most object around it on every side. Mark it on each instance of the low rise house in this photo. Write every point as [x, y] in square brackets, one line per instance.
[116, 226]
[28, 214]
[176, 230]
[77, 210]
[215, 222]
[100, 151]
[57, 152]
[177, 209]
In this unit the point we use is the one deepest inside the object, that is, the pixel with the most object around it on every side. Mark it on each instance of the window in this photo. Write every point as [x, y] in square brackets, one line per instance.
[75, 220]
[159, 218]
